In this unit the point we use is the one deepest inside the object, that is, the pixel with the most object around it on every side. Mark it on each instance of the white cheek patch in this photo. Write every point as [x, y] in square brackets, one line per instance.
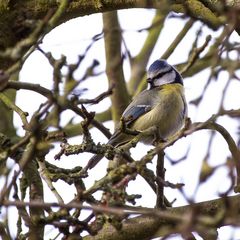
[167, 78]
[153, 74]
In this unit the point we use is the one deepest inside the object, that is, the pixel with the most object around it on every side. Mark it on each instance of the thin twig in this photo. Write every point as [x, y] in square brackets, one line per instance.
[160, 173]
[98, 98]
[30, 86]
[195, 54]
[44, 174]
[178, 39]
[23, 115]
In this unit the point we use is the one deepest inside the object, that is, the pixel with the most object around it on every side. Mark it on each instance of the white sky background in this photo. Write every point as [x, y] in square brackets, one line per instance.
[71, 40]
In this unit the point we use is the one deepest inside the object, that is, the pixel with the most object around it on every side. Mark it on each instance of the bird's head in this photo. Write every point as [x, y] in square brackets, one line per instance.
[161, 73]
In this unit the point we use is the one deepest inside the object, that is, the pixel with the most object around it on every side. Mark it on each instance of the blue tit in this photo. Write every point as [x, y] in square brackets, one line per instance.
[162, 105]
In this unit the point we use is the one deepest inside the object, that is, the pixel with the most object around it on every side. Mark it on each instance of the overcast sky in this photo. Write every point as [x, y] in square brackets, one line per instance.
[71, 40]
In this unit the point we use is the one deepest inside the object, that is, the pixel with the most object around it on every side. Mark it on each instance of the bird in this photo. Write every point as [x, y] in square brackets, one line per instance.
[161, 105]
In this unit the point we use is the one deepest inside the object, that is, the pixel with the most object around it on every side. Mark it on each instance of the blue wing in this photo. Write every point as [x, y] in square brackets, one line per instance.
[130, 115]
[138, 107]
[134, 112]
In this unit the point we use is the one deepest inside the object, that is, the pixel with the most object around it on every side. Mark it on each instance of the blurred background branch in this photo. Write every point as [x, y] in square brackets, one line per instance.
[33, 149]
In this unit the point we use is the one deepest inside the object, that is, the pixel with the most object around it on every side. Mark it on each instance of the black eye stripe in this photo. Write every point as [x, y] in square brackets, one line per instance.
[161, 74]
[176, 78]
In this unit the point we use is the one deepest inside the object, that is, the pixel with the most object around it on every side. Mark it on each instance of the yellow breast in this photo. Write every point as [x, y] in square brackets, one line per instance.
[168, 112]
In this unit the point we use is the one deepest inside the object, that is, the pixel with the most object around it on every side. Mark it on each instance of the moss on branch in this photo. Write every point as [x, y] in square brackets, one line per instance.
[168, 221]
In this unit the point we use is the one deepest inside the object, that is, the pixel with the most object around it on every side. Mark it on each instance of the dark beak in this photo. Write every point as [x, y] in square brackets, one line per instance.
[149, 80]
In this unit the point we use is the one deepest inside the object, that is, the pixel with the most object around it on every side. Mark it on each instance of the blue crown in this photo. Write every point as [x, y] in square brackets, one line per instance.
[158, 64]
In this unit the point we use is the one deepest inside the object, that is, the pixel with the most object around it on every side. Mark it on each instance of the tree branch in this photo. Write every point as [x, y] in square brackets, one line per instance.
[139, 62]
[14, 28]
[153, 222]
[114, 70]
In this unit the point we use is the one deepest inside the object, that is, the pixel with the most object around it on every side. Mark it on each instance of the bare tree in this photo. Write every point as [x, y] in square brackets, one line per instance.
[23, 27]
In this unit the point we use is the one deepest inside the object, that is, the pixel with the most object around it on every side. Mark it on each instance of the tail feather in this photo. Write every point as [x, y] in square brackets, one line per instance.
[94, 160]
